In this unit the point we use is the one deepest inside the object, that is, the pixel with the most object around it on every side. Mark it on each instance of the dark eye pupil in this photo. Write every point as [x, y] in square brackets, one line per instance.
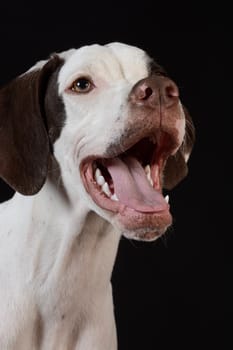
[83, 84]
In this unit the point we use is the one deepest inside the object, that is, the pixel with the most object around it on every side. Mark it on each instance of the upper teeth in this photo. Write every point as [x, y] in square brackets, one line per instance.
[148, 174]
[104, 185]
[99, 178]
[106, 189]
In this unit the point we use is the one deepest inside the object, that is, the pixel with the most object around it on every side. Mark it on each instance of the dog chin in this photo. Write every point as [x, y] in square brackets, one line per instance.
[146, 235]
[140, 226]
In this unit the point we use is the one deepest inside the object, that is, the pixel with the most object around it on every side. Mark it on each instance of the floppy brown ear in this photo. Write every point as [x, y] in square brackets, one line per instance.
[176, 166]
[24, 143]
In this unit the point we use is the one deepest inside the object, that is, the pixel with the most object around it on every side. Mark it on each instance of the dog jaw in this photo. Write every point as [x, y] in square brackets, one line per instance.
[128, 191]
[147, 224]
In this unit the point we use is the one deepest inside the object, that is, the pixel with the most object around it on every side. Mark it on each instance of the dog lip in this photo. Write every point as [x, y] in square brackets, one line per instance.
[128, 140]
[134, 224]
[137, 149]
[125, 143]
[145, 235]
[93, 190]
[102, 200]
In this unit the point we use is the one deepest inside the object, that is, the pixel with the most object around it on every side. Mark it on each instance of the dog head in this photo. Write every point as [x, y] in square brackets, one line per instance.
[113, 120]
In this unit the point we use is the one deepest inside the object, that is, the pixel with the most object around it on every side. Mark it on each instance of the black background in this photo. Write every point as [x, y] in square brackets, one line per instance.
[169, 293]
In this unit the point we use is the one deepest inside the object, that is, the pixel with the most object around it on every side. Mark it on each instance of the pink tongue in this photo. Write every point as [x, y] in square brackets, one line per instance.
[132, 187]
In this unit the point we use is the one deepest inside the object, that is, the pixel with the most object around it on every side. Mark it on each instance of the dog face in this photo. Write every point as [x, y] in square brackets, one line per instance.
[116, 126]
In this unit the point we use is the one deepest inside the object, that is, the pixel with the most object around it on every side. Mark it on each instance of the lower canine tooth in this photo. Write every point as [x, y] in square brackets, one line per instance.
[167, 198]
[106, 190]
[114, 197]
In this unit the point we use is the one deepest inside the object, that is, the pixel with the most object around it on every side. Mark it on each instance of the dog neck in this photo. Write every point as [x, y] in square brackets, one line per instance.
[63, 259]
[59, 234]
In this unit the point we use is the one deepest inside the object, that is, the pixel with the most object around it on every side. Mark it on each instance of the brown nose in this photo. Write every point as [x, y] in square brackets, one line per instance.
[155, 90]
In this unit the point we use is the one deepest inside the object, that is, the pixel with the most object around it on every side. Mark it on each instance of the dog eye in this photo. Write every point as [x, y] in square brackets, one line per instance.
[82, 85]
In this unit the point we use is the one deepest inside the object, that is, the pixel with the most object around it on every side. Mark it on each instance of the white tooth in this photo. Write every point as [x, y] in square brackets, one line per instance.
[148, 174]
[149, 178]
[106, 190]
[147, 169]
[99, 178]
[167, 198]
[114, 197]
[97, 173]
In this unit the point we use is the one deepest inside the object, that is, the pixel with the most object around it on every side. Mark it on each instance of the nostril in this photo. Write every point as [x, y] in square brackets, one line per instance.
[148, 93]
[153, 91]
[145, 93]
[171, 90]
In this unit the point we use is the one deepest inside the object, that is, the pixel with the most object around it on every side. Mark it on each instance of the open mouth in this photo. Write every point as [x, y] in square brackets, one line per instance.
[131, 179]
[129, 183]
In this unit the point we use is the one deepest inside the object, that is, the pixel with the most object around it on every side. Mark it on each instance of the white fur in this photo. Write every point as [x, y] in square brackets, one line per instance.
[56, 253]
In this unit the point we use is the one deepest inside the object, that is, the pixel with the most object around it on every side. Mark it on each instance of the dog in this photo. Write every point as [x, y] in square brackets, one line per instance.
[88, 140]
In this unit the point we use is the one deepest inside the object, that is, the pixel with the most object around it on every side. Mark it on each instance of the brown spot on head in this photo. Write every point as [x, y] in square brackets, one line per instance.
[176, 166]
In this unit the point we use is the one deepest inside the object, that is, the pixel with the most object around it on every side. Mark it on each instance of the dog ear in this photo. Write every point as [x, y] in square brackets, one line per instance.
[176, 166]
[24, 142]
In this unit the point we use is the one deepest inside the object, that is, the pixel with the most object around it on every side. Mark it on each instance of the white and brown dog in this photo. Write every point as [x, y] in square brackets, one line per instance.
[88, 139]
